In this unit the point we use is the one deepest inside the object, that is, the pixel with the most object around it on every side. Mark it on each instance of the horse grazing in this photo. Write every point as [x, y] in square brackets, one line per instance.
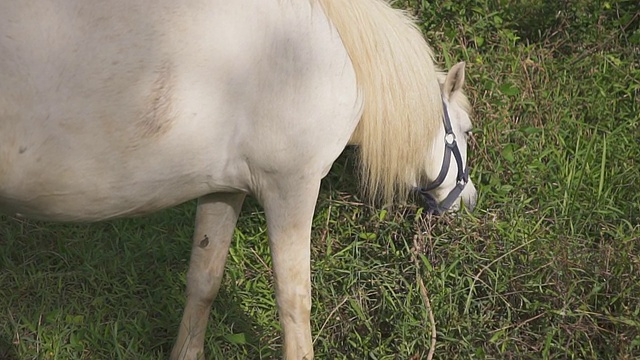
[120, 108]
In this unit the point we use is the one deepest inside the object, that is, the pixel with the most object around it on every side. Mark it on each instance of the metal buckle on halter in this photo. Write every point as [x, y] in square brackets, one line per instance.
[450, 139]
[462, 178]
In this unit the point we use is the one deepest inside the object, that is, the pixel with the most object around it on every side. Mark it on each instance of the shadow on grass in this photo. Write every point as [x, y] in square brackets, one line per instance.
[7, 351]
[580, 23]
[225, 314]
[98, 280]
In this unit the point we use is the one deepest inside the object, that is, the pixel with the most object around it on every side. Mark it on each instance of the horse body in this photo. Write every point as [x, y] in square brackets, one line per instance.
[121, 108]
[108, 115]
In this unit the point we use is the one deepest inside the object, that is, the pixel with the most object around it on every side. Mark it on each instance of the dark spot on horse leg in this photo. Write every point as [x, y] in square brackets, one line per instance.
[22, 149]
[204, 242]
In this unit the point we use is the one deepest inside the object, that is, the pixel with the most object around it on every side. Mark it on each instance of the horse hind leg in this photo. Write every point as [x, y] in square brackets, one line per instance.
[289, 208]
[216, 218]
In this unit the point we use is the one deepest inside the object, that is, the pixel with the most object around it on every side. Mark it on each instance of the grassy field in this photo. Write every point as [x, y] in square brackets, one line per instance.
[547, 267]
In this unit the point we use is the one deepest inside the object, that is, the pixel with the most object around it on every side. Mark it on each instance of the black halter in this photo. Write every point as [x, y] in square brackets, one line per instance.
[451, 146]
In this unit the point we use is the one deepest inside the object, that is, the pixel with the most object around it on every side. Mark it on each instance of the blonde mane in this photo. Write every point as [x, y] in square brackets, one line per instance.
[402, 102]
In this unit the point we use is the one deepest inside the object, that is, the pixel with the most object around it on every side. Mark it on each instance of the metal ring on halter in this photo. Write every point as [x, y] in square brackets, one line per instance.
[462, 178]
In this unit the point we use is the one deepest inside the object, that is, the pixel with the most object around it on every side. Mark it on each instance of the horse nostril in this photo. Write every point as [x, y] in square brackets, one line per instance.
[470, 205]
[429, 203]
[470, 202]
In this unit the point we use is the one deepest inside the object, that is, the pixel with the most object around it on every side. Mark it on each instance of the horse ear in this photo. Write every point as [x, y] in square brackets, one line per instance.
[455, 80]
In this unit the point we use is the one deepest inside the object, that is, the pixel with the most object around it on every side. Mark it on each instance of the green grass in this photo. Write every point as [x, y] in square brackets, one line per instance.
[547, 267]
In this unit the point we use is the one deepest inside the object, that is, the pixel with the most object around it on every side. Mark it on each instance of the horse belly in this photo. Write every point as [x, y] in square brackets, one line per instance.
[87, 190]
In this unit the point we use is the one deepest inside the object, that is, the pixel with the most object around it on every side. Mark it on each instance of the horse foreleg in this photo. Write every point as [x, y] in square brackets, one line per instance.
[289, 213]
[215, 221]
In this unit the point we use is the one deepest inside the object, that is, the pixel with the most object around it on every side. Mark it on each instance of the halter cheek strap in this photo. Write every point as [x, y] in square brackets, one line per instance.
[451, 147]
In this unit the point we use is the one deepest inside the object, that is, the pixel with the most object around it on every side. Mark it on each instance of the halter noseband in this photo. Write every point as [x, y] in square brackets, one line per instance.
[451, 146]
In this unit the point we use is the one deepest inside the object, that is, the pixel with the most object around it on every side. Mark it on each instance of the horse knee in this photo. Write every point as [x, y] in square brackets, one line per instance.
[203, 286]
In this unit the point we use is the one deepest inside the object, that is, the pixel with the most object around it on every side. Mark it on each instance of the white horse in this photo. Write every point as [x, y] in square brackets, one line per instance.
[120, 108]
